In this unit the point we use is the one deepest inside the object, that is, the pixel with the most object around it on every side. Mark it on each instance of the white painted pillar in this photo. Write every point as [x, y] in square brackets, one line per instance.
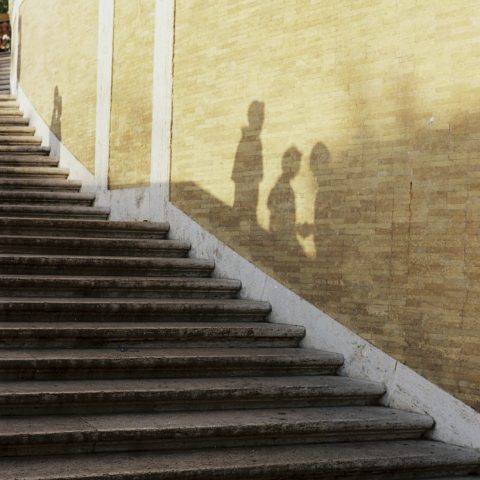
[15, 44]
[162, 108]
[106, 12]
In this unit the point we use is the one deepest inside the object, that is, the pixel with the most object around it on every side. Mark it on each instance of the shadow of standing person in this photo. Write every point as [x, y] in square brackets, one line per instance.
[319, 166]
[56, 123]
[281, 201]
[247, 170]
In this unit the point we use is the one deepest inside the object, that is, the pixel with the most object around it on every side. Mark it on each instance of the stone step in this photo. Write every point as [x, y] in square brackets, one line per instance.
[24, 150]
[7, 98]
[79, 228]
[91, 265]
[16, 130]
[48, 335]
[189, 430]
[27, 161]
[149, 395]
[46, 198]
[126, 309]
[10, 112]
[33, 172]
[19, 139]
[11, 104]
[118, 247]
[13, 120]
[117, 287]
[67, 211]
[399, 460]
[39, 184]
[135, 363]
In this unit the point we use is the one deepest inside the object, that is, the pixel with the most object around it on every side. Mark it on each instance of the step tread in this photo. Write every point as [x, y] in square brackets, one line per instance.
[84, 224]
[12, 120]
[283, 462]
[94, 241]
[13, 130]
[193, 387]
[67, 209]
[200, 424]
[187, 329]
[127, 282]
[86, 281]
[105, 260]
[57, 171]
[19, 139]
[46, 195]
[235, 355]
[54, 182]
[125, 305]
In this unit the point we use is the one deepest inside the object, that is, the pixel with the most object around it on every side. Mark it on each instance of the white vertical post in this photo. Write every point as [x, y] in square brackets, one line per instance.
[15, 44]
[106, 12]
[162, 108]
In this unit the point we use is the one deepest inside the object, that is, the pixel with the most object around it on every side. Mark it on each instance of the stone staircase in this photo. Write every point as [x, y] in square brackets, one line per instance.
[4, 73]
[122, 358]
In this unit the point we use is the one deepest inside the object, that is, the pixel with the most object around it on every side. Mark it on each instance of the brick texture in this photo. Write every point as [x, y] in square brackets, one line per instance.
[337, 145]
[131, 112]
[58, 69]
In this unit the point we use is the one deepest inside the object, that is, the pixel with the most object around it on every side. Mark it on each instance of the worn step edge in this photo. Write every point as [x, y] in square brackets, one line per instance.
[44, 335]
[44, 184]
[68, 211]
[188, 430]
[381, 460]
[135, 287]
[164, 363]
[105, 265]
[28, 172]
[46, 197]
[161, 310]
[147, 395]
[100, 226]
[19, 139]
[28, 161]
[116, 244]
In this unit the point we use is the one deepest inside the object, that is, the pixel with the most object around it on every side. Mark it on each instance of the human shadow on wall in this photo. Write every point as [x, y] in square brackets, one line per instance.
[247, 170]
[56, 122]
[282, 205]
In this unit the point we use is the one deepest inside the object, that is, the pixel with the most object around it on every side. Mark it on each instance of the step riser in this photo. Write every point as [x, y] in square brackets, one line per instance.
[28, 162]
[26, 140]
[46, 214]
[17, 131]
[139, 441]
[149, 402]
[345, 469]
[75, 233]
[21, 150]
[5, 200]
[103, 292]
[39, 187]
[14, 121]
[118, 341]
[93, 250]
[123, 271]
[113, 315]
[77, 229]
[52, 175]
[147, 368]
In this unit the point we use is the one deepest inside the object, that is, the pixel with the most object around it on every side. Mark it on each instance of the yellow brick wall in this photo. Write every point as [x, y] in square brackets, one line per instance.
[356, 178]
[131, 111]
[58, 69]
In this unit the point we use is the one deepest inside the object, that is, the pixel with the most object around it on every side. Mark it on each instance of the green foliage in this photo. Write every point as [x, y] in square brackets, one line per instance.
[3, 6]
